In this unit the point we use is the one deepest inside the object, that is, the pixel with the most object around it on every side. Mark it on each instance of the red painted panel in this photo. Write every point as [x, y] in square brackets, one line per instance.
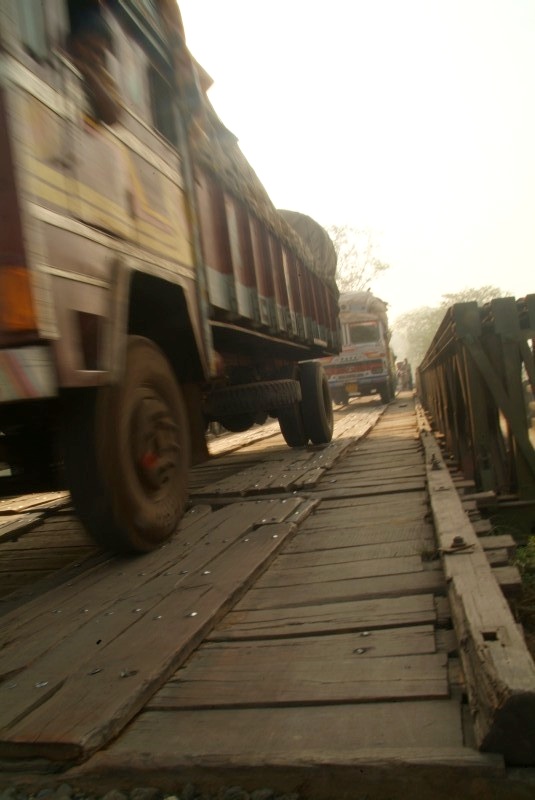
[213, 227]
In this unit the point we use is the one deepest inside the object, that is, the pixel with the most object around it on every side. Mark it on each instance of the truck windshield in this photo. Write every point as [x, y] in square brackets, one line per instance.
[363, 332]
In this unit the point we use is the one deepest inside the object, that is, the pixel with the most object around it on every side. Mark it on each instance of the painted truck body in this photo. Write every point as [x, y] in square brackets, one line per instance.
[147, 284]
[365, 365]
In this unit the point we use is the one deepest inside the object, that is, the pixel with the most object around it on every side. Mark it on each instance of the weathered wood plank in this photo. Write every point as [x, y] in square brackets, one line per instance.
[52, 558]
[250, 681]
[285, 576]
[16, 524]
[386, 501]
[27, 633]
[356, 491]
[369, 460]
[331, 734]
[325, 552]
[84, 704]
[341, 591]
[503, 542]
[368, 516]
[323, 538]
[229, 442]
[360, 615]
[34, 501]
[348, 481]
[509, 580]
[380, 643]
[355, 468]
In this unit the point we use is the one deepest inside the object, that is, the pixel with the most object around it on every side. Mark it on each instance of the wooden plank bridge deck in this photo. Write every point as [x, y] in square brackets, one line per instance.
[296, 633]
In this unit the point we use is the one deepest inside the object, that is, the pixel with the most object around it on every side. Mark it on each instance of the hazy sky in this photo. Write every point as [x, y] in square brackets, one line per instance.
[415, 118]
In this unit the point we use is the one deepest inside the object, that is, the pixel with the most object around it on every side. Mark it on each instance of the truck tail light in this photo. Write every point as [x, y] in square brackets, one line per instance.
[17, 311]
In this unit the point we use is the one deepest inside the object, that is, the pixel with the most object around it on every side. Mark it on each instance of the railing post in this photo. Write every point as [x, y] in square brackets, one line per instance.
[508, 338]
[467, 324]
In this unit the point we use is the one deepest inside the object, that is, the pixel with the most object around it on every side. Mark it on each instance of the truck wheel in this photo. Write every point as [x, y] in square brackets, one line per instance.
[316, 404]
[292, 425]
[386, 393]
[340, 396]
[238, 422]
[128, 454]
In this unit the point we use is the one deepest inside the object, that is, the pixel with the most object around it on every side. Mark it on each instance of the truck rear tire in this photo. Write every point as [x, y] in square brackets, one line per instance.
[340, 396]
[292, 425]
[386, 393]
[238, 423]
[316, 403]
[127, 453]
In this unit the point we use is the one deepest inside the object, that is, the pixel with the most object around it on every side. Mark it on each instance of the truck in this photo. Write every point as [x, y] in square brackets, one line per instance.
[366, 363]
[148, 285]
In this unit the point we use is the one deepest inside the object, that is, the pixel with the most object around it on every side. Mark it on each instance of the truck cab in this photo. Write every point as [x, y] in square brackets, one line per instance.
[365, 365]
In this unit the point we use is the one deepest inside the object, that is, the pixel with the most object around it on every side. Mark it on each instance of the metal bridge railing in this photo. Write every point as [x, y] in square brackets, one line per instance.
[473, 383]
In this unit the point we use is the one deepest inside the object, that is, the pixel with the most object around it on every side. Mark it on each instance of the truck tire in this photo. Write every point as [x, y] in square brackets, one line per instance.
[316, 404]
[250, 398]
[340, 396]
[127, 453]
[292, 425]
[386, 393]
[238, 422]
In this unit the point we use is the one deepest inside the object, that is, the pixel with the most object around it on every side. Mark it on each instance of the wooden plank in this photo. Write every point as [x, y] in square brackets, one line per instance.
[355, 467]
[366, 517]
[342, 591]
[292, 469]
[500, 673]
[286, 576]
[316, 537]
[503, 542]
[323, 554]
[389, 502]
[13, 525]
[509, 580]
[365, 511]
[253, 681]
[309, 479]
[482, 527]
[363, 460]
[380, 643]
[27, 634]
[349, 481]
[76, 698]
[387, 447]
[34, 501]
[229, 442]
[327, 735]
[360, 615]
[366, 491]
[50, 559]
[499, 558]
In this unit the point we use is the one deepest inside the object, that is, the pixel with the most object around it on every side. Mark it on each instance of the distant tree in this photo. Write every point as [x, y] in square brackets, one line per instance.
[414, 330]
[482, 295]
[358, 263]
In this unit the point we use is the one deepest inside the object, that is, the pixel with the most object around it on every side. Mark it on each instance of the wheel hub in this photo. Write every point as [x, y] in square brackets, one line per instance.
[155, 441]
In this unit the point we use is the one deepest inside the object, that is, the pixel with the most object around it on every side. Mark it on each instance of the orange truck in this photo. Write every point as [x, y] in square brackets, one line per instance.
[366, 364]
[148, 286]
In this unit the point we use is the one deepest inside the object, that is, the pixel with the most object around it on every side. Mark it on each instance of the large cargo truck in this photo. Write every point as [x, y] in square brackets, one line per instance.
[366, 363]
[148, 286]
